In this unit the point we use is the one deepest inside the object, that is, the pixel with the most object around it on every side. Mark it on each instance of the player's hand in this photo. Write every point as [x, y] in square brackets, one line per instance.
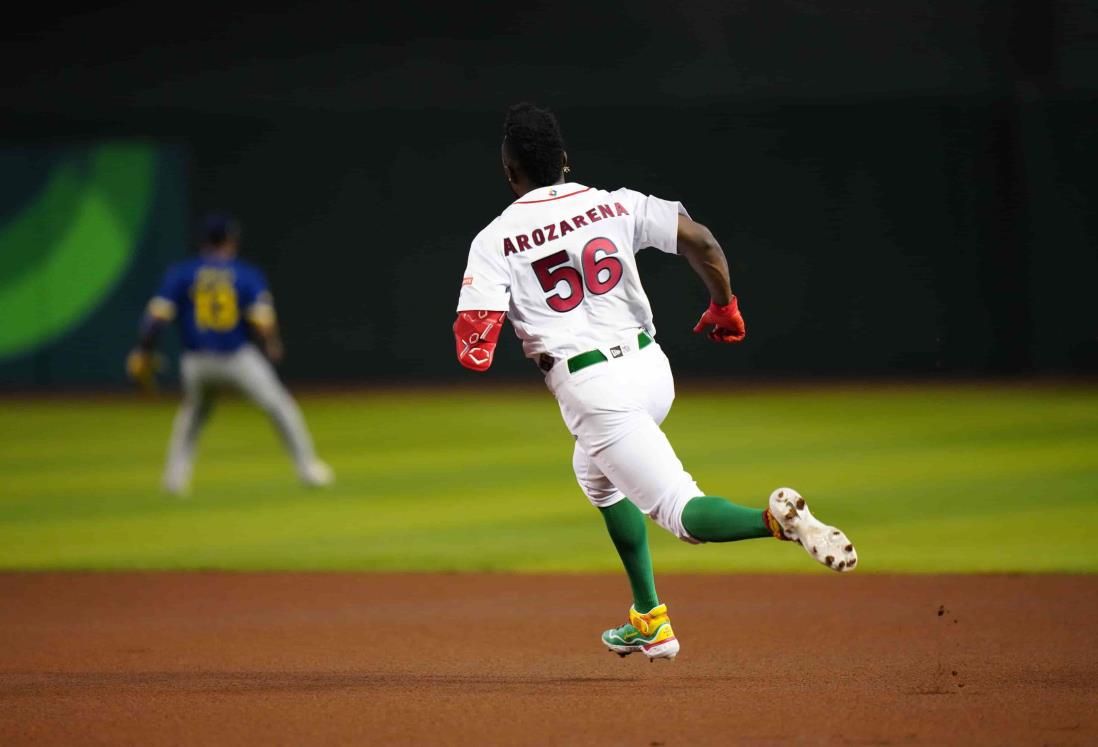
[275, 350]
[726, 322]
[138, 364]
[141, 367]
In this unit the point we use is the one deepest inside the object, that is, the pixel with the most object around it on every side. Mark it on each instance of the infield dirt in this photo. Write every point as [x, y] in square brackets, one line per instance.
[297, 658]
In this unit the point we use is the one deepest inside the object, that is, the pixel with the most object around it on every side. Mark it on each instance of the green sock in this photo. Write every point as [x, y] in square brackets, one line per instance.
[625, 522]
[712, 519]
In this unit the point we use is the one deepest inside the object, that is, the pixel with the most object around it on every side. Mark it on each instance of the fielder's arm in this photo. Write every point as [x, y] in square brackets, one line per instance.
[707, 259]
[263, 320]
[142, 362]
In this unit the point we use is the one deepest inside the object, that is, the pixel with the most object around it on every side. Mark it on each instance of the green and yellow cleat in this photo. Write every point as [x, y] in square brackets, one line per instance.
[649, 634]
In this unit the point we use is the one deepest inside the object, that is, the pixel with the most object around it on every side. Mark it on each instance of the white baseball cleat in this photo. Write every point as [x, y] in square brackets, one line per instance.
[177, 487]
[826, 544]
[318, 474]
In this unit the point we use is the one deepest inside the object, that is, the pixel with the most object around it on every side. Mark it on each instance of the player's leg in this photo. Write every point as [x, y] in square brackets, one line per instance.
[255, 376]
[629, 532]
[714, 519]
[193, 412]
[626, 525]
[620, 432]
[705, 518]
[710, 518]
[649, 628]
[643, 464]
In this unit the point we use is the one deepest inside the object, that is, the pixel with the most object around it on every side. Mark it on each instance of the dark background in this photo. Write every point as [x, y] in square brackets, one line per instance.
[902, 188]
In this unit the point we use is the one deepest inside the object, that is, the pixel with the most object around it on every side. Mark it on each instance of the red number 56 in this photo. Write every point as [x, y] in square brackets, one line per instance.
[600, 274]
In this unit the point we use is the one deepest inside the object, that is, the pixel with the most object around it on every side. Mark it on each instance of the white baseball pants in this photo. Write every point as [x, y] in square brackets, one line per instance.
[614, 410]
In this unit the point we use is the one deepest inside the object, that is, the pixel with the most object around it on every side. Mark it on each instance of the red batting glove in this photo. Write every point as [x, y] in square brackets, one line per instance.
[726, 320]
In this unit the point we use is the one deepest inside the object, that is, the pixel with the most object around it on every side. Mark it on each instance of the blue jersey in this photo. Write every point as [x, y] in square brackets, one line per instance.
[212, 302]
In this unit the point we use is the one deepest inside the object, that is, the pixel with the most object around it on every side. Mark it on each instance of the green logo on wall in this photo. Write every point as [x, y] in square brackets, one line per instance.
[65, 249]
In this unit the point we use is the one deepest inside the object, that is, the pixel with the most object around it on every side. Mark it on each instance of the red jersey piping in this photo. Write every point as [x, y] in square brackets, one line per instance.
[550, 199]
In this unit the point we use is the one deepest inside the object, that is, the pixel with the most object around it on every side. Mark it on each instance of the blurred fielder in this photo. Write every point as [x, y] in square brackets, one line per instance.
[220, 304]
[559, 263]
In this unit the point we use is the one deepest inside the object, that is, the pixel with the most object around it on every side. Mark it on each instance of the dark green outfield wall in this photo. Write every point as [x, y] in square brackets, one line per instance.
[905, 190]
[85, 231]
[864, 238]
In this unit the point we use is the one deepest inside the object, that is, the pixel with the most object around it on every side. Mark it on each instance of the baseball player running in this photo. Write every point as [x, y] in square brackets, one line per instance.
[560, 263]
[219, 303]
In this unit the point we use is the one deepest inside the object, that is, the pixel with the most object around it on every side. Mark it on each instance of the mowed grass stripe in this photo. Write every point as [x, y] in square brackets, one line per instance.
[932, 478]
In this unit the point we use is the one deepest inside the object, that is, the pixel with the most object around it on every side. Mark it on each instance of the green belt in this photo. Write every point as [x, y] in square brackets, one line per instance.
[591, 357]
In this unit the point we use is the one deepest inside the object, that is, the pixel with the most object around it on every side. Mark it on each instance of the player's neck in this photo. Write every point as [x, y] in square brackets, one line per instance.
[218, 255]
[525, 187]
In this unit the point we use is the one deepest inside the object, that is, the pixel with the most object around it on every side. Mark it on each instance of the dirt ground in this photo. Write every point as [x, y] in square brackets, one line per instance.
[233, 658]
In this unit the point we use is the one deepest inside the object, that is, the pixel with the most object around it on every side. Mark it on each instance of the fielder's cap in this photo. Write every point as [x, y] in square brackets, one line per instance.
[215, 228]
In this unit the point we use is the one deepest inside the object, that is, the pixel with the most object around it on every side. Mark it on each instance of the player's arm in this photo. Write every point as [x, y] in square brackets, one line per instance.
[476, 334]
[706, 257]
[158, 313]
[142, 363]
[485, 288]
[264, 322]
[700, 248]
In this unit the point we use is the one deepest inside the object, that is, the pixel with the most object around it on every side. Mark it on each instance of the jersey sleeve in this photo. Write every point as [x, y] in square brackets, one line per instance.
[655, 221]
[486, 285]
[164, 305]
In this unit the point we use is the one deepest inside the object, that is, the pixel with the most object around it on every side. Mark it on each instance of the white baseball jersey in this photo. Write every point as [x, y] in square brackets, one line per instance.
[561, 262]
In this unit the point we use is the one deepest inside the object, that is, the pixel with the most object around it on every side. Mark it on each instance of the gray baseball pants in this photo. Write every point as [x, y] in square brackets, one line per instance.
[248, 371]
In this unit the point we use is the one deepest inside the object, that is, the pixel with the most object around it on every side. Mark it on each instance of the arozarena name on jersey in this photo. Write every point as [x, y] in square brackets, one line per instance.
[540, 236]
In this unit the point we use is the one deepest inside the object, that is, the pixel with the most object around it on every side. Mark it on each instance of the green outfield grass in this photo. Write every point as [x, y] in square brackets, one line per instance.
[923, 478]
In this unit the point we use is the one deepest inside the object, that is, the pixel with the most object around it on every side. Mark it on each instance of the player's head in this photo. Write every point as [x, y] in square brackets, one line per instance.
[219, 232]
[533, 148]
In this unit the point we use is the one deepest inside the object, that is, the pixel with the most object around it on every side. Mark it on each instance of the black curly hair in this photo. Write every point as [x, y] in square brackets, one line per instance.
[534, 143]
